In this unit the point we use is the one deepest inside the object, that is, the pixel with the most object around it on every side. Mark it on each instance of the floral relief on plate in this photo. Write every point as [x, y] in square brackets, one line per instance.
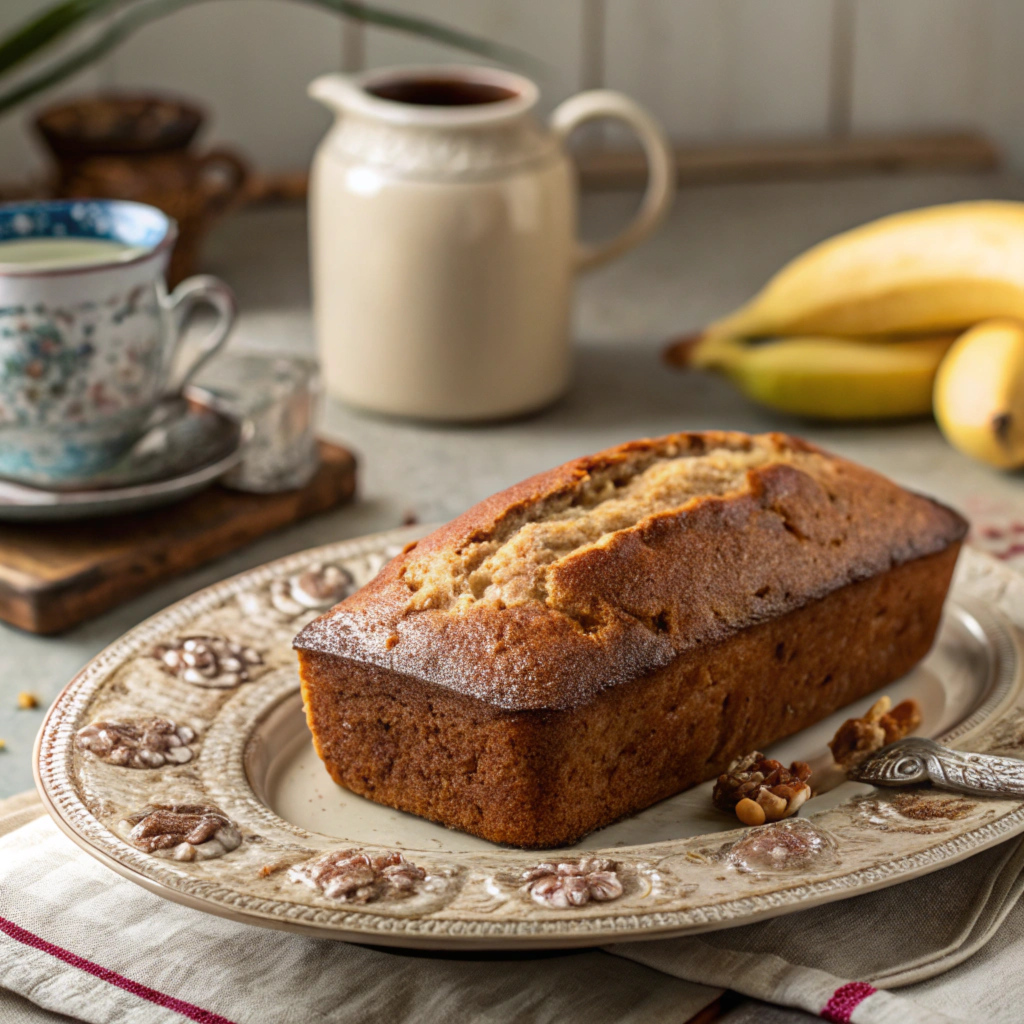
[260, 867]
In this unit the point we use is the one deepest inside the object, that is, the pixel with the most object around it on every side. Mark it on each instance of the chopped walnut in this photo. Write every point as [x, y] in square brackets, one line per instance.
[209, 661]
[319, 586]
[182, 831]
[142, 743]
[780, 792]
[858, 738]
[574, 883]
[352, 876]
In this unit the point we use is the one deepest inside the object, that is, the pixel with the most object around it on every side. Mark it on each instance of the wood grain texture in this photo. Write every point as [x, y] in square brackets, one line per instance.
[610, 169]
[55, 575]
[964, 152]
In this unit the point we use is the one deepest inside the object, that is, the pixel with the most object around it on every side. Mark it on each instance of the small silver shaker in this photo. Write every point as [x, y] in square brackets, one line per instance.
[280, 397]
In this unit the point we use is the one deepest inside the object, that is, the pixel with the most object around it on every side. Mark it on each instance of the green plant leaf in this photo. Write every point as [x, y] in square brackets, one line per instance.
[79, 59]
[66, 17]
[49, 26]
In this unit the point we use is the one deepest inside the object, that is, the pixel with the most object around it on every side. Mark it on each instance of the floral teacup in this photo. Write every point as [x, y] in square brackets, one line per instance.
[88, 333]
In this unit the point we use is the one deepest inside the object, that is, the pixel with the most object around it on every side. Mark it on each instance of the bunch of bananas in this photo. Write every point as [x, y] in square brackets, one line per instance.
[918, 312]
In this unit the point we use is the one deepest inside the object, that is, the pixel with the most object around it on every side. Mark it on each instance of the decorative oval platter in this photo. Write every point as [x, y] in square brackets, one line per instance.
[180, 758]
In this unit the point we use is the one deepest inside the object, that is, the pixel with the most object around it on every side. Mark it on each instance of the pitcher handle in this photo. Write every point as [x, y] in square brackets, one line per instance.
[661, 177]
[192, 292]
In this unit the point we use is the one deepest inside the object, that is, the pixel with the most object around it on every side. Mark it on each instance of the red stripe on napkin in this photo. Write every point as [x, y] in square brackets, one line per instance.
[845, 1000]
[195, 1013]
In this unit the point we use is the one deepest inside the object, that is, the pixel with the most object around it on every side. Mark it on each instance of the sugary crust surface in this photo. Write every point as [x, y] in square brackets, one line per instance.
[609, 567]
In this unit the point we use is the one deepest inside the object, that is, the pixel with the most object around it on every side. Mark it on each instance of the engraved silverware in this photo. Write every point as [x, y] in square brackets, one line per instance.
[916, 760]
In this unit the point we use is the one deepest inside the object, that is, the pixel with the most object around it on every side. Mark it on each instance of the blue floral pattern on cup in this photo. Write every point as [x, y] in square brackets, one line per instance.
[86, 352]
[51, 372]
[133, 224]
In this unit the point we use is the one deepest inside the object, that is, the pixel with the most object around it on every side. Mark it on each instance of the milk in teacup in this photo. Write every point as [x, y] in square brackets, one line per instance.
[63, 253]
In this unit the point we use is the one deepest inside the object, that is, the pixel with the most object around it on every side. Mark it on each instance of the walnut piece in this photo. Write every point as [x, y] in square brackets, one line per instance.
[319, 586]
[352, 876]
[858, 738]
[779, 791]
[573, 883]
[182, 831]
[138, 743]
[209, 661]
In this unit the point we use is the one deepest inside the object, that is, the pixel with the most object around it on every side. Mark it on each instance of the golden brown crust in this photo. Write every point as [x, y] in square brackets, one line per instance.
[800, 525]
[543, 778]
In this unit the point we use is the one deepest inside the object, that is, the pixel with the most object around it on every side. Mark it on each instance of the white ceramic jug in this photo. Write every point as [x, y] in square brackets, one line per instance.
[443, 238]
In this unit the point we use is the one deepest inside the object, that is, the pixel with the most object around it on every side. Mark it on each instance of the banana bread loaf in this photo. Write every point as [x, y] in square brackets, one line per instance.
[604, 635]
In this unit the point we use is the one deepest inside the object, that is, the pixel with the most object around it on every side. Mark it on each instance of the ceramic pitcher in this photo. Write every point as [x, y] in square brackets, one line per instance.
[443, 238]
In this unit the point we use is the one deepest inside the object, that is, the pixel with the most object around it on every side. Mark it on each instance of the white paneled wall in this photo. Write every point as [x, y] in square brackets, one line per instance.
[723, 69]
[1002, 100]
[250, 62]
[712, 70]
[920, 63]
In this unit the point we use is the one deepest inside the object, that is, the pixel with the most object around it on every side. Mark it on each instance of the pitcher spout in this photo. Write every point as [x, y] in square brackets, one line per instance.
[333, 91]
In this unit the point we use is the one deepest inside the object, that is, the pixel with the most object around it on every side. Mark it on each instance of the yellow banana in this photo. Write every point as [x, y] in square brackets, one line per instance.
[940, 268]
[828, 378]
[979, 393]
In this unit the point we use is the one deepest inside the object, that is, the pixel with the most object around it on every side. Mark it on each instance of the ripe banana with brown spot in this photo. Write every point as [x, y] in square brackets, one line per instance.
[979, 393]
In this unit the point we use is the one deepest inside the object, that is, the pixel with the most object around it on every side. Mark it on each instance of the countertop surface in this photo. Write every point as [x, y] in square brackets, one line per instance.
[720, 244]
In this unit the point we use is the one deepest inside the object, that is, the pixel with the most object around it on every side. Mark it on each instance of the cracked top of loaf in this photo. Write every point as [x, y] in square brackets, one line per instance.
[606, 568]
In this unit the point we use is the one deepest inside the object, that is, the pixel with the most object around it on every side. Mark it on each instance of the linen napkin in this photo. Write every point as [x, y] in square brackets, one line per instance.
[841, 961]
[77, 939]
[79, 942]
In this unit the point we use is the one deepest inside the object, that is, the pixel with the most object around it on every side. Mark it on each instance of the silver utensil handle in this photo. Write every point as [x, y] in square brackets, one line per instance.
[917, 760]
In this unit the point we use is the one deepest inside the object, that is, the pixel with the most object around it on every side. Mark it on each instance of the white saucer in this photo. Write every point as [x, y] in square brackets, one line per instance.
[191, 448]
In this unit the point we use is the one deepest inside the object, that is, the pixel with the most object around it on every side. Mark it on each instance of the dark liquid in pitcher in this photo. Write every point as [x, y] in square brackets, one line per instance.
[441, 92]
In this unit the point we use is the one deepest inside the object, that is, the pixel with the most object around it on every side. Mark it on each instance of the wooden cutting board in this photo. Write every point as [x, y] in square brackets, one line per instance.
[55, 575]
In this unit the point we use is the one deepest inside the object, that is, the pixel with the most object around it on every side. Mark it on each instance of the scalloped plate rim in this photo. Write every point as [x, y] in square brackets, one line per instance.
[576, 932]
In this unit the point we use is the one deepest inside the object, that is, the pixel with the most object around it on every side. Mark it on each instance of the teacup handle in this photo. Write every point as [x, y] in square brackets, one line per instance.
[661, 172]
[192, 292]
